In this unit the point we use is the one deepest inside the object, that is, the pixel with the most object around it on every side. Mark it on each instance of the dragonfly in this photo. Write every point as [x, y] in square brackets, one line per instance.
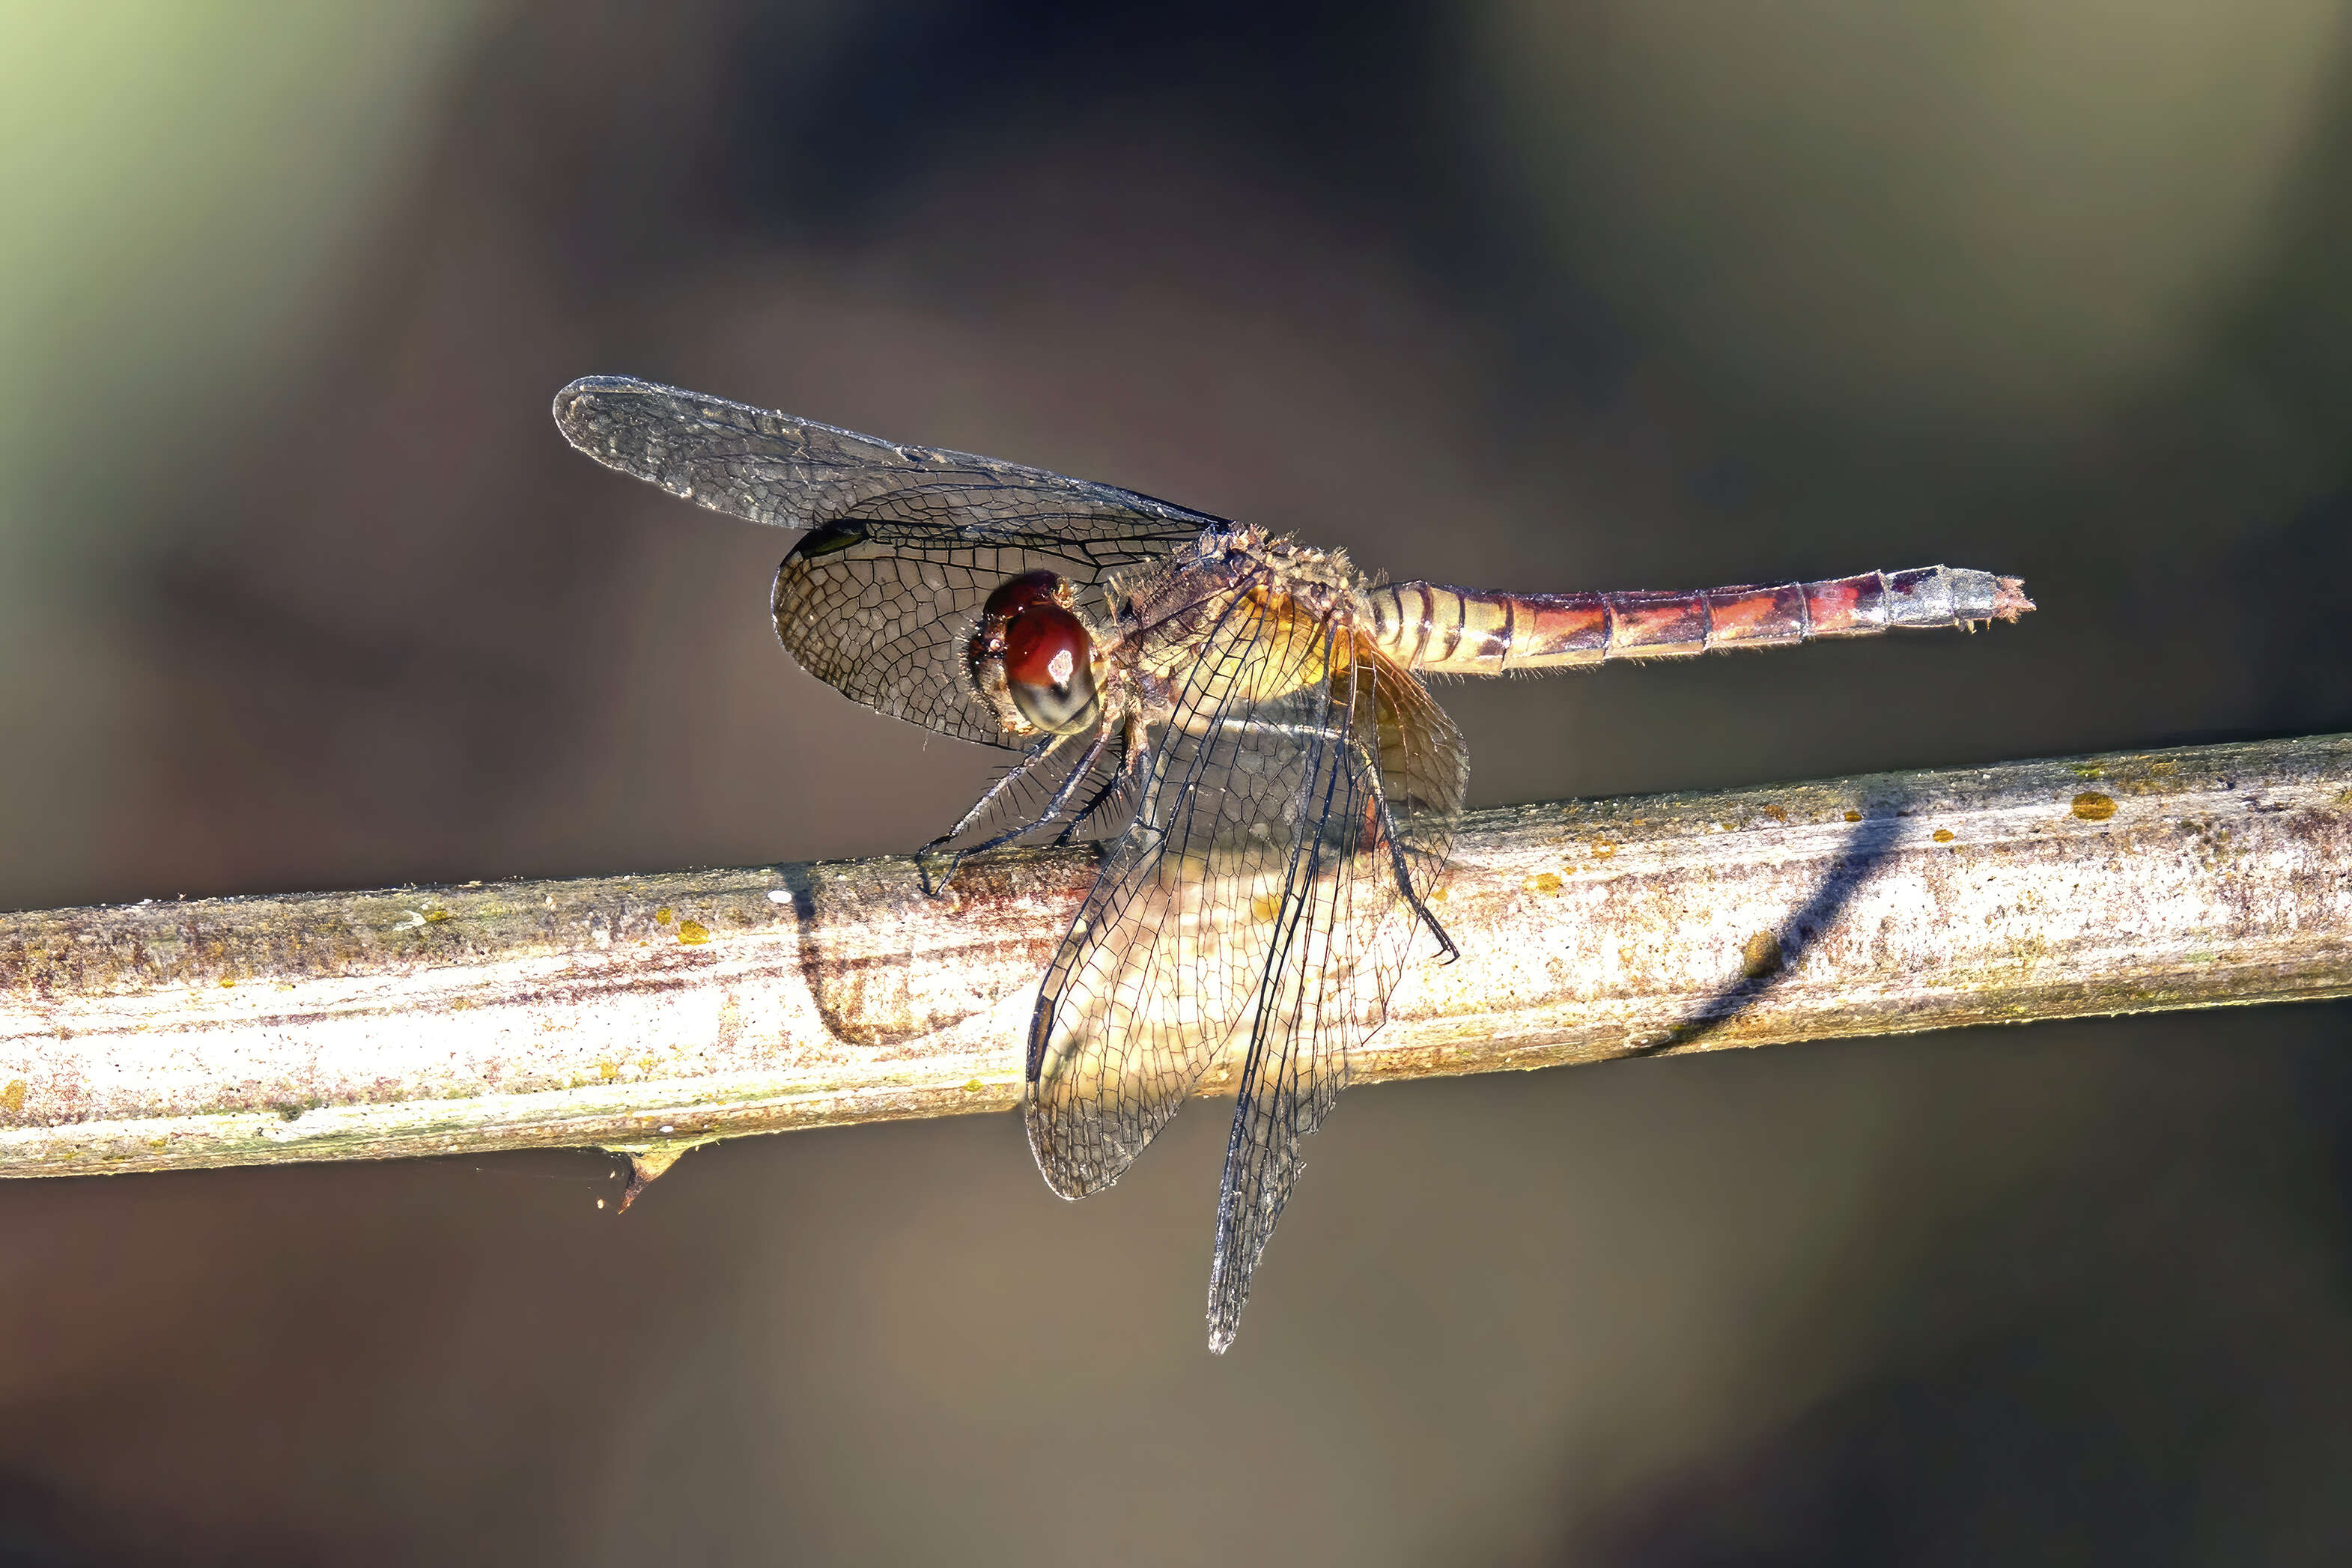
[1238, 721]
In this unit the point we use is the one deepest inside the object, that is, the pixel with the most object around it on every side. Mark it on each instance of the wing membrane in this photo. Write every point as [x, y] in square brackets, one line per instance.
[909, 540]
[1257, 887]
[883, 611]
[789, 472]
[1345, 928]
[1164, 957]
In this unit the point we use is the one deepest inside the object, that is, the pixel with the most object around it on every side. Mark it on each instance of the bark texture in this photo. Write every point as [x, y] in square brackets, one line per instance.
[644, 1013]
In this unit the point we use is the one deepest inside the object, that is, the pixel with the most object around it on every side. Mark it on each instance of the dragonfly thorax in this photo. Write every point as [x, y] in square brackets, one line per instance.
[1033, 659]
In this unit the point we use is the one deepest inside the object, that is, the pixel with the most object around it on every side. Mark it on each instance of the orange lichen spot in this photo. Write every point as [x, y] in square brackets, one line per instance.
[227, 981]
[1602, 851]
[609, 1071]
[460, 1004]
[1777, 813]
[2093, 806]
[1544, 882]
[434, 917]
[693, 932]
[661, 915]
[1760, 956]
[12, 1099]
[1942, 835]
[1854, 817]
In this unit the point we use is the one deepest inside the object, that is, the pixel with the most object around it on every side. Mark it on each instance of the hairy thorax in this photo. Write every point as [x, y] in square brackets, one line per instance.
[1298, 607]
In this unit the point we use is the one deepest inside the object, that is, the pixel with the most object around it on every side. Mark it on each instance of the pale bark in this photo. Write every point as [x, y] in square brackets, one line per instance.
[643, 1014]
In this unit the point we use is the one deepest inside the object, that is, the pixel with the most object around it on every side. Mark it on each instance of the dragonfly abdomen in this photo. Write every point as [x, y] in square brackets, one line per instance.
[1460, 631]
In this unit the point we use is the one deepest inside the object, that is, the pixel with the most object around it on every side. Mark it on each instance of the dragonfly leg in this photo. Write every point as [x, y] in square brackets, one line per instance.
[1372, 773]
[1046, 816]
[1036, 754]
[1396, 851]
[1132, 753]
[1405, 878]
[1095, 803]
[1363, 755]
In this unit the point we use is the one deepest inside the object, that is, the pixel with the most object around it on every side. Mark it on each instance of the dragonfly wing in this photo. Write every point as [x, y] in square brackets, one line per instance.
[1257, 888]
[908, 541]
[789, 472]
[884, 611]
[1343, 932]
[1164, 958]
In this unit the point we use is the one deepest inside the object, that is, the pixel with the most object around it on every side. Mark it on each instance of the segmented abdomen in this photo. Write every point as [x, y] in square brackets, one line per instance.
[1460, 631]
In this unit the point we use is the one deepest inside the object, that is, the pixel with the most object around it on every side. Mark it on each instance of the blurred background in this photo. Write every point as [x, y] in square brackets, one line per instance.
[299, 589]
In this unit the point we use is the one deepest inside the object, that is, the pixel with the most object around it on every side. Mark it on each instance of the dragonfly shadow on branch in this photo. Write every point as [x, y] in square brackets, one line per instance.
[870, 992]
[1771, 955]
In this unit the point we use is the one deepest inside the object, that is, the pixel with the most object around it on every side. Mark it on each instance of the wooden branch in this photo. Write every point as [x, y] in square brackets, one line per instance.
[644, 1013]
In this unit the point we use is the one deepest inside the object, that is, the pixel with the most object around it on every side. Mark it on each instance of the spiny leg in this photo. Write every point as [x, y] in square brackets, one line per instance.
[1052, 809]
[1035, 754]
[1132, 752]
[1404, 874]
[1085, 813]
[1388, 832]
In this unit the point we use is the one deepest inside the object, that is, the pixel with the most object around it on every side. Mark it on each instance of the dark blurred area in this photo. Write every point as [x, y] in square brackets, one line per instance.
[299, 588]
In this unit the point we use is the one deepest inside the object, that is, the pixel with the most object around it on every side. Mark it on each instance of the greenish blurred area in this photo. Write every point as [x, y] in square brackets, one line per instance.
[190, 187]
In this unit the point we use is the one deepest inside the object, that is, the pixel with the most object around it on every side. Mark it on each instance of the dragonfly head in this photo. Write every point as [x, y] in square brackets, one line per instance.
[1034, 660]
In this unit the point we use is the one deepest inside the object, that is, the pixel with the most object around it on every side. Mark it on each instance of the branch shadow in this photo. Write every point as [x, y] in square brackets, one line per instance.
[1770, 954]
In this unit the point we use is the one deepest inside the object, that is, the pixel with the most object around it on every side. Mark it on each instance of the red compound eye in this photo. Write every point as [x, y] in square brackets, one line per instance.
[1015, 594]
[1049, 667]
[1044, 645]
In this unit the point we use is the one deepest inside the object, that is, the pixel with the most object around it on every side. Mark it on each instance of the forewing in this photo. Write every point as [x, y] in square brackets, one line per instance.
[1166, 955]
[1345, 928]
[788, 472]
[910, 541]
